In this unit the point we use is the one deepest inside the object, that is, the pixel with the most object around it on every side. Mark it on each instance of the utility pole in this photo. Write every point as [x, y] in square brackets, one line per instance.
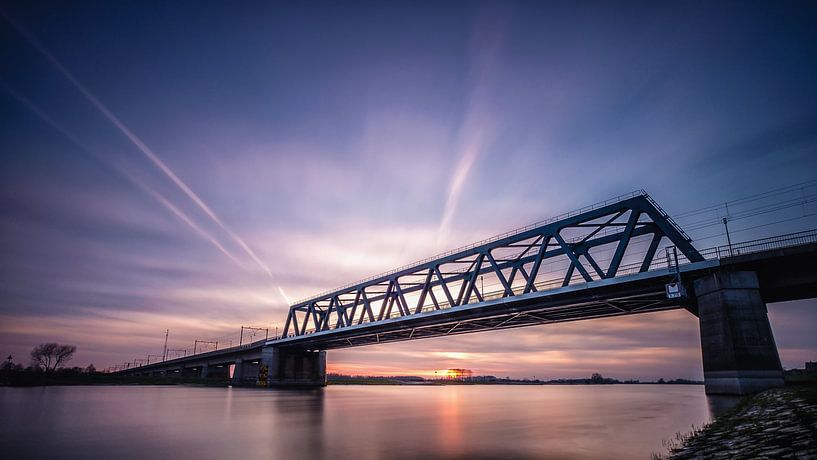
[726, 226]
[728, 238]
[164, 353]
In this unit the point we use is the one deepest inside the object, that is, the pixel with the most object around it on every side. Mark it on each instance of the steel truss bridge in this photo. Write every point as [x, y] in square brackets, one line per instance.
[613, 258]
[548, 272]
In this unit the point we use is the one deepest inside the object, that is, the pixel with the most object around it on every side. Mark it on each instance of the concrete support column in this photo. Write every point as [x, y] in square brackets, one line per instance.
[204, 371]
[321, 367]
[268, 369]
[739, 353]
[238, 370]
[285, 367]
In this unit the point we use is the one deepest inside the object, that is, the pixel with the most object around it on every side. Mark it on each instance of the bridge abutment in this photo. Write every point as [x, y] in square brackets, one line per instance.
[290, 367]
[739, 352]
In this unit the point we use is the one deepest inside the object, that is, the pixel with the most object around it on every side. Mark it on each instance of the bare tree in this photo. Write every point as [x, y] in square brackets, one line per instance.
[50, 356]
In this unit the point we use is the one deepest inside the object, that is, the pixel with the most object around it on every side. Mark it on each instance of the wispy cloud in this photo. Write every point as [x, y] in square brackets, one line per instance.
[161, 199]
[141, 146]
[476, 130]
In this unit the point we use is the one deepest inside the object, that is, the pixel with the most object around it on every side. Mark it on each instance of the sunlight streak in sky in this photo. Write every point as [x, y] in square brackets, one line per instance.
[139, 144]
[139, 184]
[475, 132]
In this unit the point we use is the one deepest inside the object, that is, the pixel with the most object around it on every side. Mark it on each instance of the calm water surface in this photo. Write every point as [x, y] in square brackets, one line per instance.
[366, 422]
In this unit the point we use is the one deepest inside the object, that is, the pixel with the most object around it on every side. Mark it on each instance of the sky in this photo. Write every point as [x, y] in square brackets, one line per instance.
[195, 167]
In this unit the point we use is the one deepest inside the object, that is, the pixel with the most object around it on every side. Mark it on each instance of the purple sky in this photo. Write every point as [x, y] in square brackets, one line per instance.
[189, 167]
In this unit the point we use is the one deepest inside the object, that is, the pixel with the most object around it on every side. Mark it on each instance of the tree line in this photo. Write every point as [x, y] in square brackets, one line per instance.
[49, 358]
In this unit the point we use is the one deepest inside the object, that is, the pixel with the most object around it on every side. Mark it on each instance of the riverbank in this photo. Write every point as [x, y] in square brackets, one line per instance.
[778, 423]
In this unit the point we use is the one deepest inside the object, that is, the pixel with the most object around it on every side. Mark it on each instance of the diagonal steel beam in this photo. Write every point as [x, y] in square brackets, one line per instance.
[534, 270]
[572, 256]
[622, 245]
[472, 282]
[648, 257]
[505, 285]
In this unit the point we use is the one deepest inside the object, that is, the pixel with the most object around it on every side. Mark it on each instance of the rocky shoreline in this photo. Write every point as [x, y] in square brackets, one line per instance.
[778, 423]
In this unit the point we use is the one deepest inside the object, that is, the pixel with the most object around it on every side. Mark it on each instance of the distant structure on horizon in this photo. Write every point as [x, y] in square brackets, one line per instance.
[459, 374]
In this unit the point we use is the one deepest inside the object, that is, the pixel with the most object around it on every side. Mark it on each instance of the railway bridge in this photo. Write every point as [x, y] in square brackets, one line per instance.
[620, 257]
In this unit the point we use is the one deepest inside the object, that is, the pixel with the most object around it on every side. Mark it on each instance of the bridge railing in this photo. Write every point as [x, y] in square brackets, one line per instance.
[760, 245]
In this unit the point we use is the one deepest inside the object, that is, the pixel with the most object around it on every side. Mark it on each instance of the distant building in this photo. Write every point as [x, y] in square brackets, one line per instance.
[459, 374]
[811, 366]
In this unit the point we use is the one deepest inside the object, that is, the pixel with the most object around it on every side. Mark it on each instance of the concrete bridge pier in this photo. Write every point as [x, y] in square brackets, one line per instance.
[739, 352]
[189, 372]
[292, 367]
[238, 371]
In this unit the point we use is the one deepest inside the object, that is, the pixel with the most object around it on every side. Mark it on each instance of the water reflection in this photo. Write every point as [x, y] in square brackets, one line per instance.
[366, 422]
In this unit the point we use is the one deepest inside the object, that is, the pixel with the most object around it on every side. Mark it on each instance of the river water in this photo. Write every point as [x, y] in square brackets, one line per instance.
[339, 422]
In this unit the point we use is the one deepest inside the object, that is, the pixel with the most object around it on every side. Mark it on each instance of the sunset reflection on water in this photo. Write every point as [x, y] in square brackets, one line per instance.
[366, 422]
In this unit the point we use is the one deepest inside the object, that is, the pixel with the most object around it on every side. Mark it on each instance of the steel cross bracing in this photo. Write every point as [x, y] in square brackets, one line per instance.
[554, 255]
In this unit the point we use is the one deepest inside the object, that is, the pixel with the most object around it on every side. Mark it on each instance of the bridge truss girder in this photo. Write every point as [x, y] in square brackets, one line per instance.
[515, 263]
[560, 305]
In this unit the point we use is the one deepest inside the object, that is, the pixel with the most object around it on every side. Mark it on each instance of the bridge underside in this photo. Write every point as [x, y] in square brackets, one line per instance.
[590, 310]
